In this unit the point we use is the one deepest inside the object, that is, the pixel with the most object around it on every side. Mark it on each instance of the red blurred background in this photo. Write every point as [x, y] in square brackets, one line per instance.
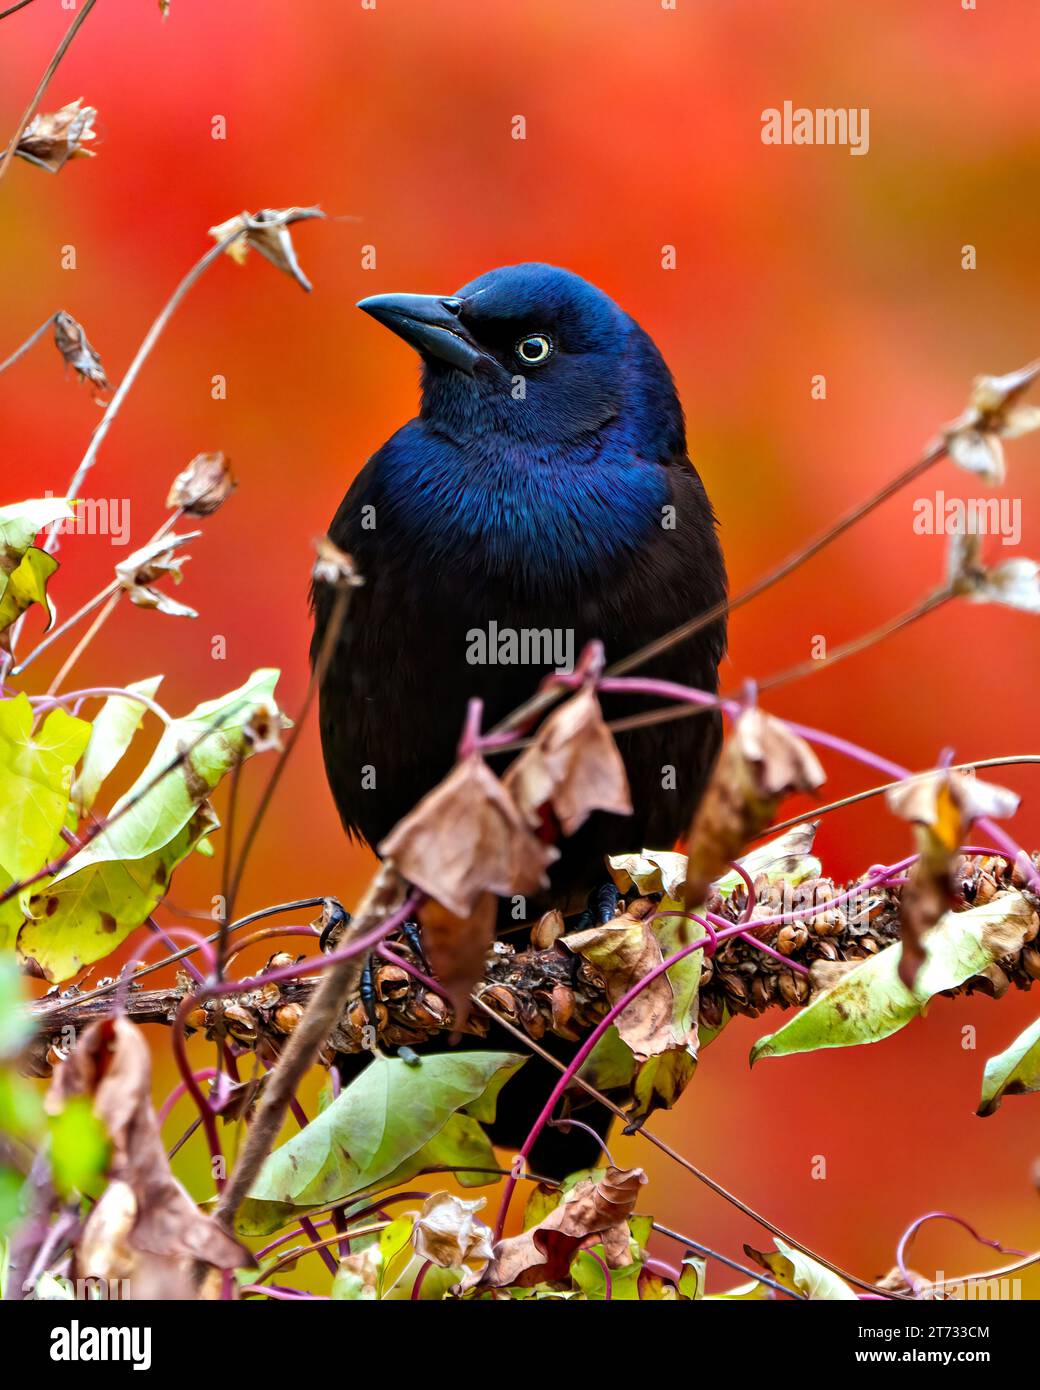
[643, 130]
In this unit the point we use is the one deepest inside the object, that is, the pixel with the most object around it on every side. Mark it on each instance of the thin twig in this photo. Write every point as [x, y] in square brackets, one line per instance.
[37, 96]
[33, 337]
[817, 811]
[85, 641]
[306, 1041]
[52, 636]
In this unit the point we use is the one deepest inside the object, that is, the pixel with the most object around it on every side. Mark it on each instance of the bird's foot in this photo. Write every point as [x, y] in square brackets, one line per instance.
[604, 902]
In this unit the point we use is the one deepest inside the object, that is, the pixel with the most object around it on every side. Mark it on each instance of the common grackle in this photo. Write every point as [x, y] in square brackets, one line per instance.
[543, 497]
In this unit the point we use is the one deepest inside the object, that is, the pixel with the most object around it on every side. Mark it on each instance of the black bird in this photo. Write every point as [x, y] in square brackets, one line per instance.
[544, 487]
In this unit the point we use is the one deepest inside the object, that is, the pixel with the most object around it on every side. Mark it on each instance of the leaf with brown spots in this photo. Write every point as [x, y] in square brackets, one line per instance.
[573, 766]
[868, 1002]
[466, 838]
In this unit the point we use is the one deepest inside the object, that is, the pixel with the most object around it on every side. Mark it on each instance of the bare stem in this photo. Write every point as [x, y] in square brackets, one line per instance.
[30, 341]
[37, 96]
[305, 1042]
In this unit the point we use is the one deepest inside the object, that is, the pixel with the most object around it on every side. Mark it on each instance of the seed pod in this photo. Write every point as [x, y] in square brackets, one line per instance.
[789, 987]
[547, 929]
[826, 950]
[56, 1053]
[280, 960]
[392, 982]
[428, 1009]
[503, 1000]
[791, 938]
[268, 995]
[563, 1006]
[707, 970]
[287, 1017]
[761, 991]
[710, 1009]
[831, 923]
[240, 1023]
[197, 1019]
[733, 985]
[869, 945]
[1031, 931]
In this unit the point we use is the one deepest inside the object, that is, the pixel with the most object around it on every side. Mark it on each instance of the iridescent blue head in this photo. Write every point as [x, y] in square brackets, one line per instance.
[538, 354]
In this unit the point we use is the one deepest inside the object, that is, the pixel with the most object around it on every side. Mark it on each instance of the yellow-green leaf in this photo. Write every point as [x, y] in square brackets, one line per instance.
[1013, 1072]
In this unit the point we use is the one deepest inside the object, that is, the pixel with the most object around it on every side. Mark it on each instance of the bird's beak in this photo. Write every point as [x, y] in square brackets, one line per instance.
[430, 323]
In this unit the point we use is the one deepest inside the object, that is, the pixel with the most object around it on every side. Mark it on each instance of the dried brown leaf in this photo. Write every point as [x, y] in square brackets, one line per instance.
[468, 837]
[457, 948]
[448, 1233]
[624, 951]
[573, 766]
[145, 1228]
[761, 762]
[592, 1213]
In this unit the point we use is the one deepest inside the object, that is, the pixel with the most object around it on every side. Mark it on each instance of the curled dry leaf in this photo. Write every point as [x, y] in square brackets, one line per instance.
[624, 951]
[466, 838]
[267, 231]
[52, 137]
[573, 766]
[994, 413]
[71, 341]
[139, 571]
[334, 566]
[1015, 583]
[592, 1213]
[651, 871]
[203, 486]
[457, 948]
[942, 807]
[145, 1228]
[761, 762]
[448, 1233]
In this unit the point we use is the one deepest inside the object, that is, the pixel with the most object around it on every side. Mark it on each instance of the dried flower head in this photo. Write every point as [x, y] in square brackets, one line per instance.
[994, 413]
[52, 137]
[71, 341]
[203, 486]
[267, 231]
[139, 571]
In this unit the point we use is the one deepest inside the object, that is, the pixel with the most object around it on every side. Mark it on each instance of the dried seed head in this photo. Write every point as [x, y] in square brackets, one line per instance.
[547, 929]
[287, 1016]
[204, 485]
[392, 982]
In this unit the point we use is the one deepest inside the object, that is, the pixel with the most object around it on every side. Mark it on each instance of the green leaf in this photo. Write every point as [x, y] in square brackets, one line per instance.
[16, 1024]
[870, 1002]
[22, 522]
[79, 1148]
[384, 1118]
[115, 725]
[801, 1274]
[786, 857]
[588, 1274]
[1013, 1072]
[753, 1292]
[35, 776]
[694, 1273]
[171, 803]
[82, 914]
[25, 585]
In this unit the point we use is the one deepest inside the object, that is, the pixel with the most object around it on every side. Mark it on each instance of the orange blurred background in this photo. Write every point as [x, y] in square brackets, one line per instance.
[643, 130]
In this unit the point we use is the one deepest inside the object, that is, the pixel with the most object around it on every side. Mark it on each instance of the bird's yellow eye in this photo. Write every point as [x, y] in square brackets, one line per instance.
[533, 349]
